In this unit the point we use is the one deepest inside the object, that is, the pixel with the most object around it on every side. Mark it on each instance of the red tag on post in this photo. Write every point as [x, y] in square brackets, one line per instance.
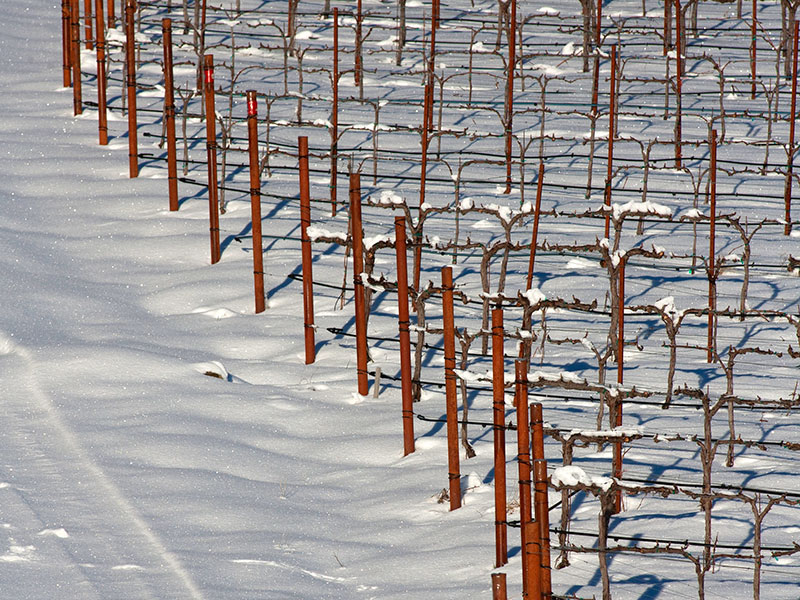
[210, 76]
[252, 107]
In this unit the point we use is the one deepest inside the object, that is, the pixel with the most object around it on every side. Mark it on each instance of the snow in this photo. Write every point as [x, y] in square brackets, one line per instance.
[160, 440]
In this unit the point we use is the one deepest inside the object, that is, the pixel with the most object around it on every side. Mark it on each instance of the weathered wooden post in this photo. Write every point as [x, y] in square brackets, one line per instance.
[498, 414]
[169, 115]
[451, 389]
[403, 321]
[305, 242]
[255, 200]
[130, 84]
[357, 235]
[100, 43]
[211, 153]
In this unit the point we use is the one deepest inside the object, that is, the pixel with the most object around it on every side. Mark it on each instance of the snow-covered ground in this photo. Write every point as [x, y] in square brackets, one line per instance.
[159, 440]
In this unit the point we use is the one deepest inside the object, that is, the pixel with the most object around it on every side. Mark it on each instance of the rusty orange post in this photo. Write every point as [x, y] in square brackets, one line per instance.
[612, 113]
[356, 233]
[335, 112]
[543, 519]
[169, 115]
[524, 467]
[87, 18]
[211, 153]
[753, 23]
[451, 390]
[787, 197]
[678, 83]
[130, 83]
[255, 200]
[66, 43]
[75, 54]
[712, 241]
[305, 242]
[535, 235]
[405, 340]
[111, 16]
[512, 60]
[498, 414]
[499, 589]
[100, 42]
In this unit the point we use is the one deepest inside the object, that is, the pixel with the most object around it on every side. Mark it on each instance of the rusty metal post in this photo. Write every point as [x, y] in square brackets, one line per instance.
[87, 18]
[451, 391]
[111, 16]
[678, 83]
[543, 519]
[211, 153]
[255, 200]
[612, 113]
[305, 242]
[512, 60]
[712, 251]
[75, 54]
[534, 535]
[499, 589]
[356, 233]
[524, 466]
[130, 83]
[169, 115]
[787, 196]
[100, 42]
[498, 414]
[66, 43]
[753, 23]
[335, 112]
[535, 234]
[405, 340]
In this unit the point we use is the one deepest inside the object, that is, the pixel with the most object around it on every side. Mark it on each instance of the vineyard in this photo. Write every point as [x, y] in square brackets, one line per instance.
[553, 246]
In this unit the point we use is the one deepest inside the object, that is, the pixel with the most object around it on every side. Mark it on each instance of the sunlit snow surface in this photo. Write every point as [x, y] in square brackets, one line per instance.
[159, 440]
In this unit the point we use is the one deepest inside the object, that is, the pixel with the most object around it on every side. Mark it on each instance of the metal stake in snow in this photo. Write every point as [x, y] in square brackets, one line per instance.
[678, 82]
[130, 83]
[211, 152]
[66, 43]
[169, 115]
[787, 196]
[542, 523]
[75, 54]
[451, 391]
[499, 589]
[612, 110]
[111, 16]
[498, 414]
[403, 327]
[255, 199]
[753, 23]
[530, 577]
[535, 234]
[543, 519]
[712, 252]
[305, 242]
[102, 118]
[356, 234]
[87, 17]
